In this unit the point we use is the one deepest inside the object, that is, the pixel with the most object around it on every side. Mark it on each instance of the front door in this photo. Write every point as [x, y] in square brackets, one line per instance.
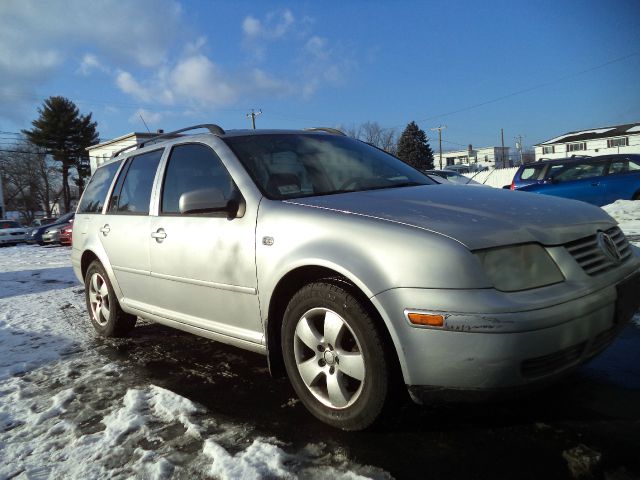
[203, 265]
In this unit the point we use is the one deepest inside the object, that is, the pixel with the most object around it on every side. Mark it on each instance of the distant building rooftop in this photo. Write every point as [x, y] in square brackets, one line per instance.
[595, 133]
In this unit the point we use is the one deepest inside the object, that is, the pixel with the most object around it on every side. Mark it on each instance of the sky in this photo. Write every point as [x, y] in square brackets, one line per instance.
[536, 69]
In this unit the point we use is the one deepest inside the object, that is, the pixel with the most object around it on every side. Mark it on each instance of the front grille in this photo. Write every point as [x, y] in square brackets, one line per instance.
[591, 258]
[548, 364]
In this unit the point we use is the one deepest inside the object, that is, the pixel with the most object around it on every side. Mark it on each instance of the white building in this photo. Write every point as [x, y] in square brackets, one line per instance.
[597, 141]
[101, 153]
[491, 157]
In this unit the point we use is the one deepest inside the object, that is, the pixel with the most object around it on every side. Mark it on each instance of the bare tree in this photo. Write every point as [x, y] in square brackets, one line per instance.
[31, 182]
[374, 134]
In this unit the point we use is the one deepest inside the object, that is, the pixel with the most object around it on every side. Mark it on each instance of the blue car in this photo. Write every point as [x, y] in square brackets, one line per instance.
[598, 180]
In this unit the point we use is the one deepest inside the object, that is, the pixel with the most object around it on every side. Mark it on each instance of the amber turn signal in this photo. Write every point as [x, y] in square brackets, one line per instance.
[427, 319]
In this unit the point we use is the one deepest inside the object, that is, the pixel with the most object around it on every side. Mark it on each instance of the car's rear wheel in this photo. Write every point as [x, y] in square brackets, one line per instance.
[106, 315]
[335, 356]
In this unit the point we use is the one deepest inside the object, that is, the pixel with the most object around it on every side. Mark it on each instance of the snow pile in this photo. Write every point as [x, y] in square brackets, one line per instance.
[627, 214]
[67, 411]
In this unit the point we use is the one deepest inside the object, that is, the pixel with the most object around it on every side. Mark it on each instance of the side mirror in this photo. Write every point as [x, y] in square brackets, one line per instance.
[210, 200]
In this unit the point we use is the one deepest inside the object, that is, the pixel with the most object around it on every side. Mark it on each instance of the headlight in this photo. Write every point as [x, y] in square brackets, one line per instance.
[519, 268]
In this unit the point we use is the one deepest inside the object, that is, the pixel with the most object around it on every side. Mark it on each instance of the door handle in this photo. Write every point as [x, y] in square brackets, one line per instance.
[105, 230]
[595, 184]
[159, 235]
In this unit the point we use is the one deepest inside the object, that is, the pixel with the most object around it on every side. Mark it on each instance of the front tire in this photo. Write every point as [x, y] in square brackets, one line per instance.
[106, 315]
[335, 356]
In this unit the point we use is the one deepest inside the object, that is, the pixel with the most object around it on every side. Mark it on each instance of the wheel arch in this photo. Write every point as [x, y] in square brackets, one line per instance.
[88, 256]
[293, 281]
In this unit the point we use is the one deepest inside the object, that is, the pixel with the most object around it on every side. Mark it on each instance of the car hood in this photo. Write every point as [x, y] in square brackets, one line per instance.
[13, 230]
[476, 217]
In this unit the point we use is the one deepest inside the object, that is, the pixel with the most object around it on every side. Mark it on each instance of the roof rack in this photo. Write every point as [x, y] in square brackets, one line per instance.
[333, 131]
[215, 129]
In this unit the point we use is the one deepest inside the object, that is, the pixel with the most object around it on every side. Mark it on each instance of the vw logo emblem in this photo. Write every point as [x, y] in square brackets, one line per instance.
[609, 247]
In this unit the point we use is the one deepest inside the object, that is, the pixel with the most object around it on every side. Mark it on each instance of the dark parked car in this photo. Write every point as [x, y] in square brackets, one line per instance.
[35, 235]
[597, 180]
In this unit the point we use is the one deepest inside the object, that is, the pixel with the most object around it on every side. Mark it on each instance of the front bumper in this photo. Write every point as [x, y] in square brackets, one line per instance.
[51, 237]
[490, 352]
[11, 239]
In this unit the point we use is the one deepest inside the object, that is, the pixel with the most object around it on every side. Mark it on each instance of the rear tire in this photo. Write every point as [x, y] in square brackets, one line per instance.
[335, 356]
[106, 315]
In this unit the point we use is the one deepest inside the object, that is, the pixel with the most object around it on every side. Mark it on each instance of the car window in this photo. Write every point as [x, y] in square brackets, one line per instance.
[134, 195]
[193, 167]
[293, 166]
[94, 195]
[531, 172]
[9, 225]
[579, 171]
[624, 165]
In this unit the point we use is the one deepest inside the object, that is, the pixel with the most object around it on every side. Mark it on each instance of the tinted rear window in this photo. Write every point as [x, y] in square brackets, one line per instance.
[94, 196]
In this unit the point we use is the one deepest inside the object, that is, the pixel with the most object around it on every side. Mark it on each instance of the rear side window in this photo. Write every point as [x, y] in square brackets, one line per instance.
[132, 196]
[94, 195]
[193, 167]
[579, 171]
[624, 165]
[531, 173]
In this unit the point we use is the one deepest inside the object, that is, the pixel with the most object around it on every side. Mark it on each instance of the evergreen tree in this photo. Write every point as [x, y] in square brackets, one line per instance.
[65, 135]
[414, 149]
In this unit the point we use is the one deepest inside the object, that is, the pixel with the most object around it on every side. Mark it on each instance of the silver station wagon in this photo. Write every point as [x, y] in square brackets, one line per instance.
[355, 274]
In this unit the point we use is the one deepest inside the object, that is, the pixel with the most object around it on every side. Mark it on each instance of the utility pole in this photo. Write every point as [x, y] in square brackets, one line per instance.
[439, 129]
[504, 160]
[253, 116]
[519, 146]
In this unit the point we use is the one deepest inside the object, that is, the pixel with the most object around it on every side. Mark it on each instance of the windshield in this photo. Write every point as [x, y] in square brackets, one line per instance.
[301, 165]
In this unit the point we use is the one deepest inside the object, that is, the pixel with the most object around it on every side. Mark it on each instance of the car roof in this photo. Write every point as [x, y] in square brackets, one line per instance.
[163, 138]
[578, 158]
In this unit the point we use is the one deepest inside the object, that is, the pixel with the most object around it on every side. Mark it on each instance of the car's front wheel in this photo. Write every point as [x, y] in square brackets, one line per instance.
[105, 312]
[335, 356]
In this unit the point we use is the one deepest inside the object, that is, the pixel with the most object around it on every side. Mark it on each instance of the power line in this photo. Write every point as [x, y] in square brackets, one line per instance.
[529, 89]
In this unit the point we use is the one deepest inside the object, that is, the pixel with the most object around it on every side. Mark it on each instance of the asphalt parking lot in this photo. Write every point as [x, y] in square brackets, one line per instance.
[591, 416]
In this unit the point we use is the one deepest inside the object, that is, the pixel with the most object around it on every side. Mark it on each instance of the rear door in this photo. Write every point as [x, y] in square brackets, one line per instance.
[124, 229]
[578, 180]
[623, 179]
[203, 265]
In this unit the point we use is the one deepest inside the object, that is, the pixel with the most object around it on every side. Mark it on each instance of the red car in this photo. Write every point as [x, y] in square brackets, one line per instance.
[65, 235]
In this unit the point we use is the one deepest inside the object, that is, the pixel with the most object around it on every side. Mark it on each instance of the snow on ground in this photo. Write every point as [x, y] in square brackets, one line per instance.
[68, 411]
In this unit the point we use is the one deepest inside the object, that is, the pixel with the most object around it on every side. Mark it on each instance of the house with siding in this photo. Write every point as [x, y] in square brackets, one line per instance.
[490, 157]
[102, 152]
[597, 141]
